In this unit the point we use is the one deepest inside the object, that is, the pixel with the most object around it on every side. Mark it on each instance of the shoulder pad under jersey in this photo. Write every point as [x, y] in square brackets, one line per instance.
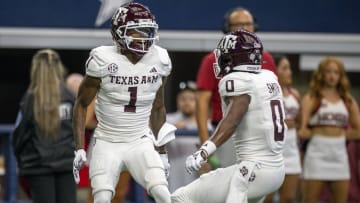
[235, 84]
[97, 62]
[164, 59]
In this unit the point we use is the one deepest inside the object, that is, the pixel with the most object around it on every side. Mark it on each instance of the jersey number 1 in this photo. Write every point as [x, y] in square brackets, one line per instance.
[131, 106]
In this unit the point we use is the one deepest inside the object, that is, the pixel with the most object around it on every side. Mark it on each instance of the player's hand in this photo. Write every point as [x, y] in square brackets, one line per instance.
[165, 160]
[78, 163]
[205, 168]
[80, 158]
[212, 163]
[304, 133]
[194, 161]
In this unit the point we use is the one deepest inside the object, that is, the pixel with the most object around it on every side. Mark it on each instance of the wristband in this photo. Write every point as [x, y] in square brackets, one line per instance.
[208, 147]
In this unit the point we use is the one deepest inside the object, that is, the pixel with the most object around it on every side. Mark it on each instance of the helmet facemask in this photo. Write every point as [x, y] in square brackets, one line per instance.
[137, 37]
[133, 28]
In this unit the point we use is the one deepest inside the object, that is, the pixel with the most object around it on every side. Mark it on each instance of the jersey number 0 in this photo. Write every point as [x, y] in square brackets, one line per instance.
[276, 113]
[278, 120]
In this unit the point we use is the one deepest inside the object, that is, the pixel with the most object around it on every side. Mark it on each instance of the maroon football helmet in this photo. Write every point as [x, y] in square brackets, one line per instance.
[239, 50]
[133, 28]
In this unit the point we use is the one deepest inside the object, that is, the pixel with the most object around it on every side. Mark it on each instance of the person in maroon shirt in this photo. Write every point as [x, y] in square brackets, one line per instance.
[207, 85]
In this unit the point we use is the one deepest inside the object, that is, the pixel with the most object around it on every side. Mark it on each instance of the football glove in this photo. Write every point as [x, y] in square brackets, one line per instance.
[194, 161]
[78, 163]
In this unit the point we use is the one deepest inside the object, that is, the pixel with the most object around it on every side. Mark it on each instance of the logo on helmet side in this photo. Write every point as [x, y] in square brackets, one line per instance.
[228, 42]
[120, 15]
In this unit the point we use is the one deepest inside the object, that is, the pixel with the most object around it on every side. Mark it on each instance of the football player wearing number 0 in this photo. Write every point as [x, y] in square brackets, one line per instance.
[253, 118]
[128, 81]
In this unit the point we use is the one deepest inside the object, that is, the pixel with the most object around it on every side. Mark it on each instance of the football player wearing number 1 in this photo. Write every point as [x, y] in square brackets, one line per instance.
[254, 119]
[128, 81]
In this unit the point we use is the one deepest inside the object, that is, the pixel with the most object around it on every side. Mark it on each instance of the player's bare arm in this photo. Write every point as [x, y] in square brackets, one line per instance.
[202, 113]
[87, 91]
[91, 122]
[158, 112]
[237, 108]
[305, 111]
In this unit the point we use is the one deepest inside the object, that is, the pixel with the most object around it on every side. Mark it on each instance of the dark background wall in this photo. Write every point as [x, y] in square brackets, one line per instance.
[15, 75]
[15, 69]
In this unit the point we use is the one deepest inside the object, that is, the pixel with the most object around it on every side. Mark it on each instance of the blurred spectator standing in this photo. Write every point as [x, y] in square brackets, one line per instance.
[43, 138]
[185, 116]
[327, 112]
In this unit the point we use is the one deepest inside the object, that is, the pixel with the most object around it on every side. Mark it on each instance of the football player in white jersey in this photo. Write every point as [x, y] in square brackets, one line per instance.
[128, 82]
[254, 119]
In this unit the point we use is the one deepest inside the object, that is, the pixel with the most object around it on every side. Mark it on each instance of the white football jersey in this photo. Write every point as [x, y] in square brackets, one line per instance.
[127, 91]
[260, 135]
